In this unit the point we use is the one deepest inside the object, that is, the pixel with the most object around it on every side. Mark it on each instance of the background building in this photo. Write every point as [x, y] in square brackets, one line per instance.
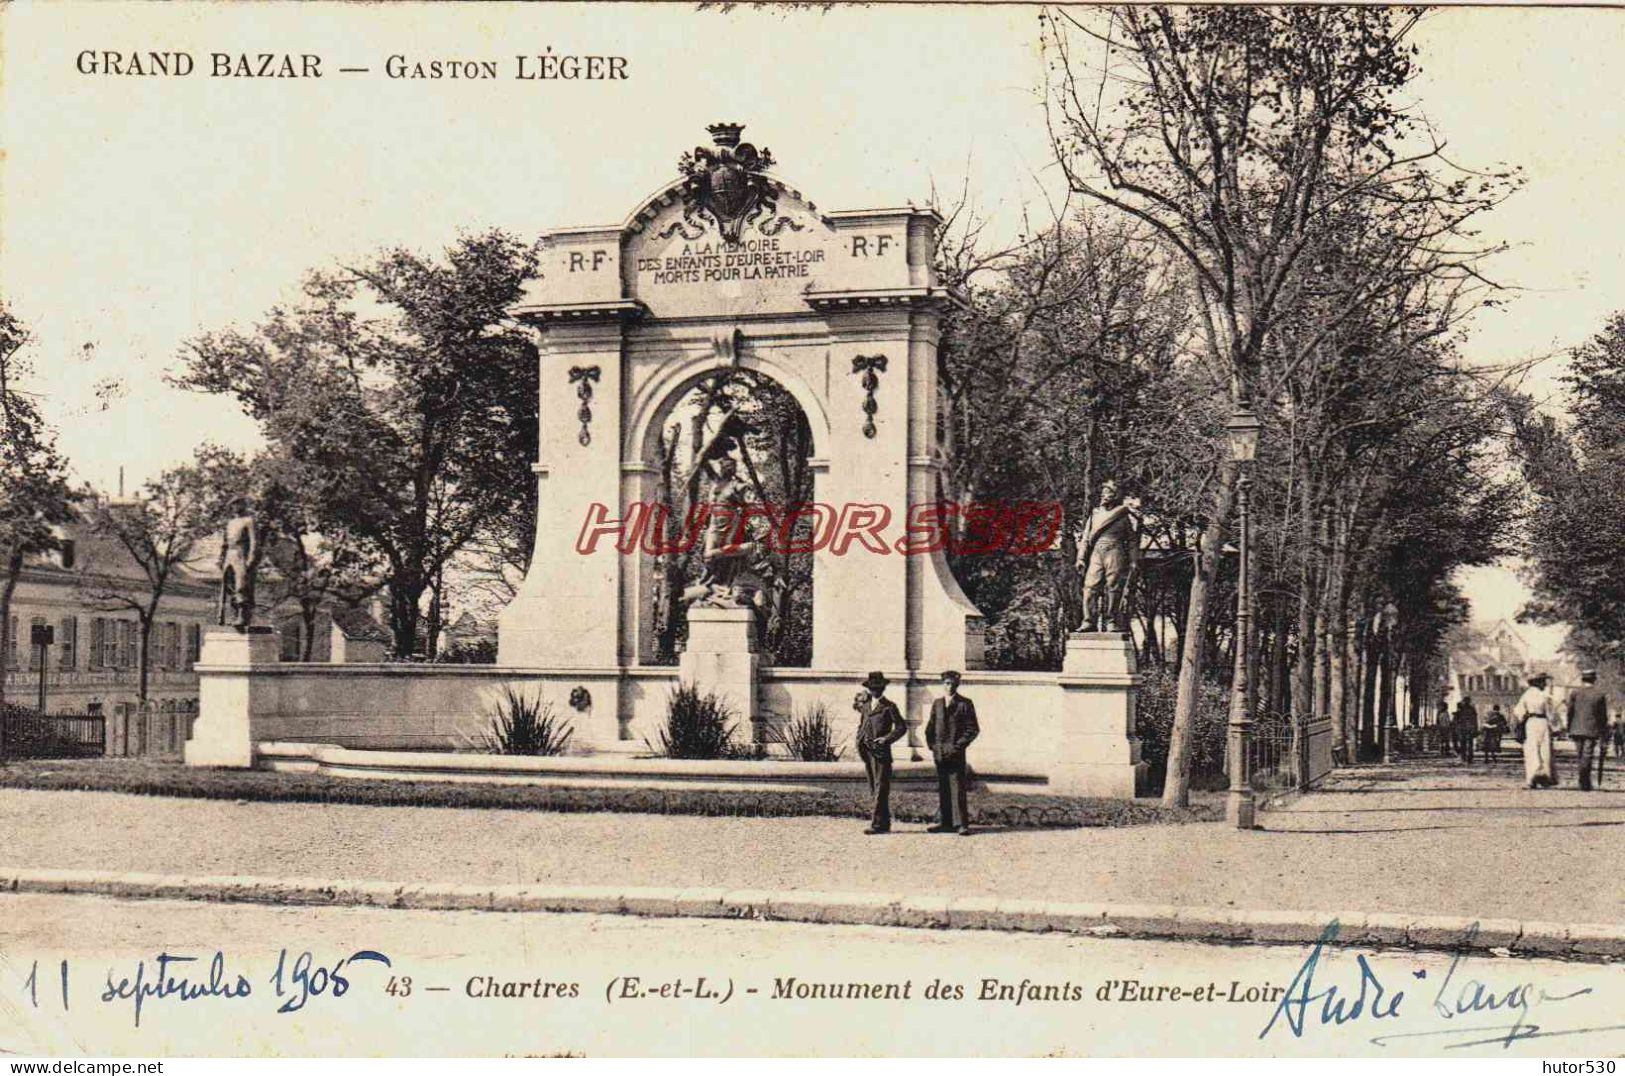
[1490, 664]
[93, 664]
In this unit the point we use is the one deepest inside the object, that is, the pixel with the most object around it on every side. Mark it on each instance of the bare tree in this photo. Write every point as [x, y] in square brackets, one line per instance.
[159, 531]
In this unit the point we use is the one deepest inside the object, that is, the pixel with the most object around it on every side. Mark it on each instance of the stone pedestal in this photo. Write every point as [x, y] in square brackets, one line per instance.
[1097, 753]
[721, 657]
[223, 734]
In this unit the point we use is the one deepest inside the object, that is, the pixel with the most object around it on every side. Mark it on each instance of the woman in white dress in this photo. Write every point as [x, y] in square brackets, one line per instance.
[1537, 712]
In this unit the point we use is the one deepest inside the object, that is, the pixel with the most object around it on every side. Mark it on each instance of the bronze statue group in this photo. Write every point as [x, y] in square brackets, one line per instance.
[949, 731]
[1535, 720]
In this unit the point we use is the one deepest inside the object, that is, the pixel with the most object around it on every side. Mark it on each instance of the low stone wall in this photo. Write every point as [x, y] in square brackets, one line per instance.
[403, 707]
[598, 771]
[1074, 729]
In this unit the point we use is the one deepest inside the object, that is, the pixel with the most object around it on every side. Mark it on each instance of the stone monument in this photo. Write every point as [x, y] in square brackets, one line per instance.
[728, 268]
[224, 732]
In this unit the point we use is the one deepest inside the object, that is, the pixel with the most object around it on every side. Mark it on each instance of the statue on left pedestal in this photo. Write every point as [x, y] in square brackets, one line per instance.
[240, 550]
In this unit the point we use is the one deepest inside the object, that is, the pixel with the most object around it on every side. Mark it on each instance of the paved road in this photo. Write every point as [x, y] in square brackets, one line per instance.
[1430, 838]
[575, 960]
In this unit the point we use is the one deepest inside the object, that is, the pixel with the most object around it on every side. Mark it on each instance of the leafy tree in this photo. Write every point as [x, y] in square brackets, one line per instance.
[1576, 532]
[407, 398]
[1065, 367]
[35, 495]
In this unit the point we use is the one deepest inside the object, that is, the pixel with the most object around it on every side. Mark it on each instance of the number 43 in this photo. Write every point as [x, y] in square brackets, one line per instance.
[399, 986]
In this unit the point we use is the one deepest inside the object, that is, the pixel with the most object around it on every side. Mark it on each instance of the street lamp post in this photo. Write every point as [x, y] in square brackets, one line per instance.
[1242, 431]
[1385, 700]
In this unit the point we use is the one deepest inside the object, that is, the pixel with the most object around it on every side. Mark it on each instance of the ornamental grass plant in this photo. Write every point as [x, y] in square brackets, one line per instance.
[697, 726]
[521, 725]
[809, 736]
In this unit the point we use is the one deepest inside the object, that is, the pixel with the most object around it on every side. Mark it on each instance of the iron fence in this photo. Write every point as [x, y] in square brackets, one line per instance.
[1270, 751]
[25, 734]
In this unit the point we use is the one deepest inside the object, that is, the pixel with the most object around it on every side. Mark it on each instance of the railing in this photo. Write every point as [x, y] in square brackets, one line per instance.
[1274, 763]
[31, 735]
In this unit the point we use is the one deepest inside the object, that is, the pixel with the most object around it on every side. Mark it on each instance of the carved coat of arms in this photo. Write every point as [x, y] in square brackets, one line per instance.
[726, 184]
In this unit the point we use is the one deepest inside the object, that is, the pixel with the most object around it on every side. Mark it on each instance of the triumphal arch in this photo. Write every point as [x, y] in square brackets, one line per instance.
[729, 267]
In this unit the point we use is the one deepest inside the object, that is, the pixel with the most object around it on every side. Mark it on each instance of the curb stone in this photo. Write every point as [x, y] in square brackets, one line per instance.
[1552, 939]
[1598, 940]
[746, 903]
[924, 912]
[1440, 933]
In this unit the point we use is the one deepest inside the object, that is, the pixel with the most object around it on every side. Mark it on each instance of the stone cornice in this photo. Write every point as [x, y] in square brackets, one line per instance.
[835, 301]
[885, 213]
[578, 313]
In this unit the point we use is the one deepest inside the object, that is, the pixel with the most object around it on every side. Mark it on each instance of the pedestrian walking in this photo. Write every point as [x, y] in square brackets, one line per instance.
[1442, 728]
[1495, 727]
[1588, 723]
[1466, 728]
[879, 726]
[1534, 712]
[948, 733]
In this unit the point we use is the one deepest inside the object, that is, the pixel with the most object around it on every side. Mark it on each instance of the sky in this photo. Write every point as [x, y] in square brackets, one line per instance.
[139, 212]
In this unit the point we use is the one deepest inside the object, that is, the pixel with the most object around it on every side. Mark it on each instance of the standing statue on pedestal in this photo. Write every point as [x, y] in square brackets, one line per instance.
[240, 551]
[1108, 557]
[729, 577]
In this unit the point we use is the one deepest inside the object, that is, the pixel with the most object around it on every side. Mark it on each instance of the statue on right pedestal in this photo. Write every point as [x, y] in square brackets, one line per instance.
[1108, 556]
[240, 551]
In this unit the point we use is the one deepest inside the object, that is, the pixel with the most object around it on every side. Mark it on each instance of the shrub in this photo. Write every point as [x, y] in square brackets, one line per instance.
[697, 726]
[1154, 723]
[808, 736]
[472, 652]
[745, 752]
[525, 726]
[149, 778]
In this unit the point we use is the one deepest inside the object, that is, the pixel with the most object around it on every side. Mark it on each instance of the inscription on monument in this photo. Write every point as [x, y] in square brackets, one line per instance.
[714, 261]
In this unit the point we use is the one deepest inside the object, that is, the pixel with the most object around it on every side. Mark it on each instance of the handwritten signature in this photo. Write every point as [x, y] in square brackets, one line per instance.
[1336, 1006]
[1459, 997]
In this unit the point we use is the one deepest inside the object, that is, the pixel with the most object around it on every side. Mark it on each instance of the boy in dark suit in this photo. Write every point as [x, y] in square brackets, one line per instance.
[948, 733]
[879, 726]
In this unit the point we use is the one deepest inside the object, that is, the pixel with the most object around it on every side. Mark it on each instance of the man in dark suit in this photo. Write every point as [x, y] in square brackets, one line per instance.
[948, 733]
[1466, 728]
[1588, 722]
[879, 726]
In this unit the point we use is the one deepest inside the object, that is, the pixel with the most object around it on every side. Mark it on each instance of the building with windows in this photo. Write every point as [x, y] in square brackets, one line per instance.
[92, 664]
[1490, 664]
